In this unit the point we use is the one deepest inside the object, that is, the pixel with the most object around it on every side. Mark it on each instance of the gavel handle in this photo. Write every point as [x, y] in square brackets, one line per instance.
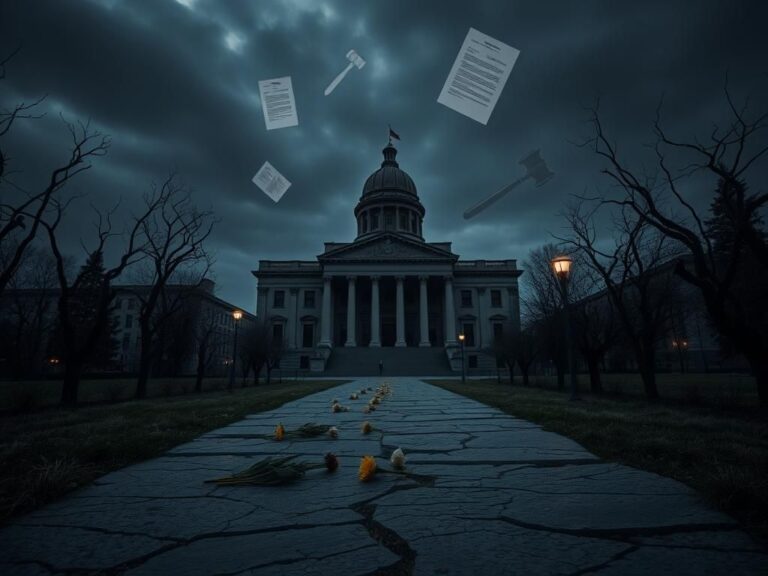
[338, 78]
[480, 206]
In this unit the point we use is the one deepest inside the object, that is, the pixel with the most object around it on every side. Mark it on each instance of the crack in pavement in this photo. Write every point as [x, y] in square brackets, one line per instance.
[598, 567]
[615, 534]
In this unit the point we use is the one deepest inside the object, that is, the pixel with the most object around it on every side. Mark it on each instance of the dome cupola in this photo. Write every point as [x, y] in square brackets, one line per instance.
[389, 202]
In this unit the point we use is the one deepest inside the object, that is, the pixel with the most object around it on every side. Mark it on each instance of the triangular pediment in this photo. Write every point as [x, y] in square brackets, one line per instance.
[387, 247]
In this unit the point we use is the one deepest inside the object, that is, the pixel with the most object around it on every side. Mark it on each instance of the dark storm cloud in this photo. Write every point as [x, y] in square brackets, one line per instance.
[176, 86]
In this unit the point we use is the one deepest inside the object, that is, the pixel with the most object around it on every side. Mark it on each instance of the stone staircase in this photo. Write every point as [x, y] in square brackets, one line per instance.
[363, 361]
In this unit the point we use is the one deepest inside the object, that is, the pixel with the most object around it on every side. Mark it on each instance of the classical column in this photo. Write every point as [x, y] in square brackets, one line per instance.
[261, 304]
[325, 318]
[450, 315]
[351, 317]
[483, 327]
[375, 317]
[293, 317]
[423, 311]
[400, 317]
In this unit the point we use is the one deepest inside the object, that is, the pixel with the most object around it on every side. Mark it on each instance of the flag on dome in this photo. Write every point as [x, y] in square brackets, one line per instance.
[393, 134]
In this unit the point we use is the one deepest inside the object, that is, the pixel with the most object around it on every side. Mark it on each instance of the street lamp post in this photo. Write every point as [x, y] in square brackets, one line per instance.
[463, 371]
[237, 315]
[562, 268]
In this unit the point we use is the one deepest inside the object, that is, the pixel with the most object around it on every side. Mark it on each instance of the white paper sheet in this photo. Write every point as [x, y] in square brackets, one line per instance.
[478, 76]
[278, 103]
[271, 182]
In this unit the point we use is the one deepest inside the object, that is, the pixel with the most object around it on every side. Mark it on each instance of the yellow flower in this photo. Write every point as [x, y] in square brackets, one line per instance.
[279, 432]
[367, 469]
[366, 428]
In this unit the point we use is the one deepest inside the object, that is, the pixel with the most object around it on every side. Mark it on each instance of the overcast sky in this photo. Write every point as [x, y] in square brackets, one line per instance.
[175, 84]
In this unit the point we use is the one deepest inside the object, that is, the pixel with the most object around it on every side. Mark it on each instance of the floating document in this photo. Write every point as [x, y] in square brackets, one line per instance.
[272, 183]
[278, 103]
[478, 76]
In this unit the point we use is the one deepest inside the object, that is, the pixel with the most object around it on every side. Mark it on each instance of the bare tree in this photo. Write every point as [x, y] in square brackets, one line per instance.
[78, 340]
[542, 306]
[174, 236]
[22, 211]
[726, 155]
[207, 339]
[28, 314]
[595, 333]
[637, 286]
[517, 349]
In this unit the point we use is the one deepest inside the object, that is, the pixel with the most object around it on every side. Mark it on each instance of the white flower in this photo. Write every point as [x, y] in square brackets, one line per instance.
[398, 459]
[333, 432]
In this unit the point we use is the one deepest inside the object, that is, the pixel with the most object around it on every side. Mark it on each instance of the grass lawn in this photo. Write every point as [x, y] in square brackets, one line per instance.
[49, 453]
[723, 455]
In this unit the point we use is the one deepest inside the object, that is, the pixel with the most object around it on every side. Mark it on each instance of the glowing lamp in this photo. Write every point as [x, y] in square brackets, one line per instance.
[562, 266]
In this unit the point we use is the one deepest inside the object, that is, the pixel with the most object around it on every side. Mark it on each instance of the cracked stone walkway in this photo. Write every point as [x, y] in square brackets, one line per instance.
[495, 495]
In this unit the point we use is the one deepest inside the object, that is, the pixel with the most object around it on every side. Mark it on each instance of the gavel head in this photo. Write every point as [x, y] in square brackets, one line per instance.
[536, 168]
[355, 58]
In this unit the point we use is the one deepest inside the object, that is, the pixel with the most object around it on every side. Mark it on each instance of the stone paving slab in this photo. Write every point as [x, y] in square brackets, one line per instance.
[488, 492]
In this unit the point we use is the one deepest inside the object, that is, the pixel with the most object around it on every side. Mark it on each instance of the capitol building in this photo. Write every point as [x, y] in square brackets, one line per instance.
[389, 295]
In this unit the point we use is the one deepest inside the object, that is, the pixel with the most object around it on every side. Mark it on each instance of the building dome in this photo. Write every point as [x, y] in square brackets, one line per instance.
[389, 178]
[389, 202]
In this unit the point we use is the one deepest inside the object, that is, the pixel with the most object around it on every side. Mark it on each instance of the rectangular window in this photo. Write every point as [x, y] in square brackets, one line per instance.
[473, 361]
[277, 333]
[466, 298]
[128, 320]
[365, 223]
[126, 342]
[279, 299]
[469, 334]
[414, 224]
[308, 335]
[375, 219]
[495, 298]
[304, 362]
[131, 304]
[403, 220]
[309, 298]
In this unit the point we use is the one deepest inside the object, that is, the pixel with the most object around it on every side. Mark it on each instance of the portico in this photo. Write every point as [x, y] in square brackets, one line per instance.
[388, 288]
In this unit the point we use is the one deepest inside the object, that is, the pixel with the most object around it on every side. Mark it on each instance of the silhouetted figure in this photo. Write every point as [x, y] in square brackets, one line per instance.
[381, 367]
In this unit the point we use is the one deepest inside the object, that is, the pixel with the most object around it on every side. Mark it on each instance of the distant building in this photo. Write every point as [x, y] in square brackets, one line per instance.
[387, 290]
[688, 341]
[28, 320]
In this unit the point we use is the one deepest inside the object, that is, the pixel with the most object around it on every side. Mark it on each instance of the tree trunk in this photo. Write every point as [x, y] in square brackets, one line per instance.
[199, 382]
[256, 374]
[511, 368]
[524, 370]
[560, 376]
[595, 384]
[144, 366]
[72, 372]
[269, 374]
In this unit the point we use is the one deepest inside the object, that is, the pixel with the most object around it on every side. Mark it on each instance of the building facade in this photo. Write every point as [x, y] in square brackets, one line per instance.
[387, 288]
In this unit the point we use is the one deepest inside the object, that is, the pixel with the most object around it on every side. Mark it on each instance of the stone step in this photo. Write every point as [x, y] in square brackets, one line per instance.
[407, 361]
